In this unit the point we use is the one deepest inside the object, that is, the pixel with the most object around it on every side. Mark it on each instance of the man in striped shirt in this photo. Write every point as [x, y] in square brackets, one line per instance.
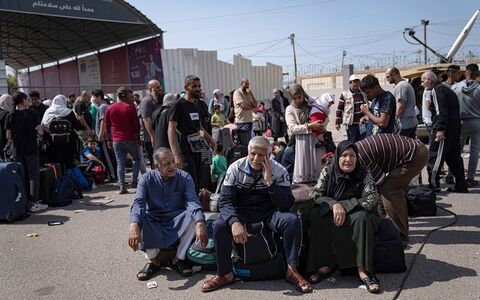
[393, 161]
[348, 110]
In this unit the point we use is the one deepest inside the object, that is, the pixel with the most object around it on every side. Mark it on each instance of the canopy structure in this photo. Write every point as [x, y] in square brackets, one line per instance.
[33, 33]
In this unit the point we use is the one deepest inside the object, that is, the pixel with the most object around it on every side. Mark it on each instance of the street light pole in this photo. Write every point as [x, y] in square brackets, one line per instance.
[425, 23]
[292, 39]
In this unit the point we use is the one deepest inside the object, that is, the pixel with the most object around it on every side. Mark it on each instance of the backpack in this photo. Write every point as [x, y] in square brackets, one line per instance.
[388, 254]
[421, 201]
[65, 191]
[60, 130]
[274, 268]
[235, 152]
[78, 176]
[260, 246]
[204, 257]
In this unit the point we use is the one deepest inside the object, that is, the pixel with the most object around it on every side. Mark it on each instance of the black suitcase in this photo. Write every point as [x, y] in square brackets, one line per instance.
[236, 152]
[13, 201]
[48, 175]
[389, 256]
[421, 201]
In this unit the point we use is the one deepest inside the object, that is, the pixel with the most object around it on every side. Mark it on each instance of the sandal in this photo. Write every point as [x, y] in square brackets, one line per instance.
[298, 282]
[182, 268]
[216, 282]
[148, 271]
[316, 277]
[369, 280]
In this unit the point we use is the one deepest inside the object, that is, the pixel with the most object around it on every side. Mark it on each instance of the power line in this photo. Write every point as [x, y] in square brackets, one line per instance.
[251, 12]
[249, 45]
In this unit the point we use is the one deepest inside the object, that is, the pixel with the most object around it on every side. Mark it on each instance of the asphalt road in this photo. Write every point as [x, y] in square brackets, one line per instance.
[88, 258]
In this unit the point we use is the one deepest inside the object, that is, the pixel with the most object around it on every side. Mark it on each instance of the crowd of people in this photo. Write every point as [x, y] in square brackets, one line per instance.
[364, 180]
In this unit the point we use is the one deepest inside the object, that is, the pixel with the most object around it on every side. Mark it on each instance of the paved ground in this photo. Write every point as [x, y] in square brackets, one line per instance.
[88, 258]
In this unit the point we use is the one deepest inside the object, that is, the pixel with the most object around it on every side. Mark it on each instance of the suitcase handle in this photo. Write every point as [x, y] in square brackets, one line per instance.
[54, 170]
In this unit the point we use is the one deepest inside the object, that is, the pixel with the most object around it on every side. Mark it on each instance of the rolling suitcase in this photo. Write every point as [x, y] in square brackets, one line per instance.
[13, 202]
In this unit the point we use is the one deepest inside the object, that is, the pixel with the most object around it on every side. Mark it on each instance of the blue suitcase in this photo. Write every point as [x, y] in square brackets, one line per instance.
[13, 198]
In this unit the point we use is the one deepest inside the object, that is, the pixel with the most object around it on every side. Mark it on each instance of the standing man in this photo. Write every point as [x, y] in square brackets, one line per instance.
[186, 124]
[454, 75]
[122, 123]
[406, 102]
[468, 93]
[39, 107]
[218, 99]
[349, 111]
[381, 114]
[244, 105]
[149, 104]
[446, 127]
[100, 132]
[82, 111]
[393, 160]
[279, 125]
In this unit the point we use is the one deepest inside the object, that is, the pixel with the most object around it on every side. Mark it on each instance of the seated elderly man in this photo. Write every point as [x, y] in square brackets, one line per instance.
[166, 209]
[269, 202]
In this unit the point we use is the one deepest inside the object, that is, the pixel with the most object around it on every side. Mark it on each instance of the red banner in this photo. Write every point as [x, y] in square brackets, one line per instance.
[69, 76]
[113, 69]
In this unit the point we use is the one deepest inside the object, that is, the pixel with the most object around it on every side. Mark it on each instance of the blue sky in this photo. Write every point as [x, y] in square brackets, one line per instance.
[369, 31]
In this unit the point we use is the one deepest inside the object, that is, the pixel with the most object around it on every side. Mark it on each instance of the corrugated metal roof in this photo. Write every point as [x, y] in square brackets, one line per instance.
[28, 38]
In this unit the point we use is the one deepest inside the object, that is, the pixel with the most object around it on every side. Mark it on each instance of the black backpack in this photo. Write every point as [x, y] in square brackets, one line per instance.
[388, 255]
[60, 130]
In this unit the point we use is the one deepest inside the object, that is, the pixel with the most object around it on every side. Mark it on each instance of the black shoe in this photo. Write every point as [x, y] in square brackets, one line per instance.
[471, 182]
[457, 190]
[449, 180]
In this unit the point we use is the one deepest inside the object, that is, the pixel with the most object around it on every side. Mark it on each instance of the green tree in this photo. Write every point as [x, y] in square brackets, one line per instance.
[12, 83]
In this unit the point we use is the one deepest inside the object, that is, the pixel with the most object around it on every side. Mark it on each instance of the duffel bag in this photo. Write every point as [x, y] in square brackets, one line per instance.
[421, 201]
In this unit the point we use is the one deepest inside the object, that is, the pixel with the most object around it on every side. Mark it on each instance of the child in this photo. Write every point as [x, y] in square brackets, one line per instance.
[257, 123]
[321, 109]
[218, 119]
[219, 162]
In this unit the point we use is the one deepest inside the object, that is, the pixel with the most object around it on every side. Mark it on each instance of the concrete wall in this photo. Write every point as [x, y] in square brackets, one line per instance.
[216, 74]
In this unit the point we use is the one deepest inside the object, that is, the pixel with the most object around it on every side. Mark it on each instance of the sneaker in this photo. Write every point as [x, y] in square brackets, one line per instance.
[449, 180]
[471, 182]
[38, 207]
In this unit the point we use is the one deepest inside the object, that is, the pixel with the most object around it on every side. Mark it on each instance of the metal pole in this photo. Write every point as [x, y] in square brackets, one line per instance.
[292, 39]
[425, 23]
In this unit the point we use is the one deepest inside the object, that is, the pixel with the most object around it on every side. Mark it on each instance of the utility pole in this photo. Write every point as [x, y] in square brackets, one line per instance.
[292, 39]
[425, 23]
[344, 53]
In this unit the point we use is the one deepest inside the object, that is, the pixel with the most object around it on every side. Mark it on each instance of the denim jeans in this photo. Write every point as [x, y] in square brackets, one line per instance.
[121, 149]
[471, 128]
[353, 133]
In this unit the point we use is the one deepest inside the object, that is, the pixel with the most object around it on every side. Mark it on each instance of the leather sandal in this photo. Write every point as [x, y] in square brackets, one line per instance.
[370, 280]
[148, 271]
[316, 277]
[216, 282]
[298, 282]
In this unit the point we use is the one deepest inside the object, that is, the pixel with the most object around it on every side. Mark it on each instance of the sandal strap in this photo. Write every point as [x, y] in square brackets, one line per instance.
[215, 282]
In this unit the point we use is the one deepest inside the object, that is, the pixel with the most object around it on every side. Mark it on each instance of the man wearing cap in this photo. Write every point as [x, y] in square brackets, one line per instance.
[244, 104]
[348, 110]
[218, 99]
[406, 102]
[122, 123]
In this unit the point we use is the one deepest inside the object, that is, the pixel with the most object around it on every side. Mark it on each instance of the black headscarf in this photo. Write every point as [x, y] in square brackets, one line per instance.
[338, 181]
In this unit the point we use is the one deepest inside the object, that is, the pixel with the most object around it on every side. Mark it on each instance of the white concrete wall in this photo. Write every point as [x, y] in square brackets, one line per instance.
[216, 74]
